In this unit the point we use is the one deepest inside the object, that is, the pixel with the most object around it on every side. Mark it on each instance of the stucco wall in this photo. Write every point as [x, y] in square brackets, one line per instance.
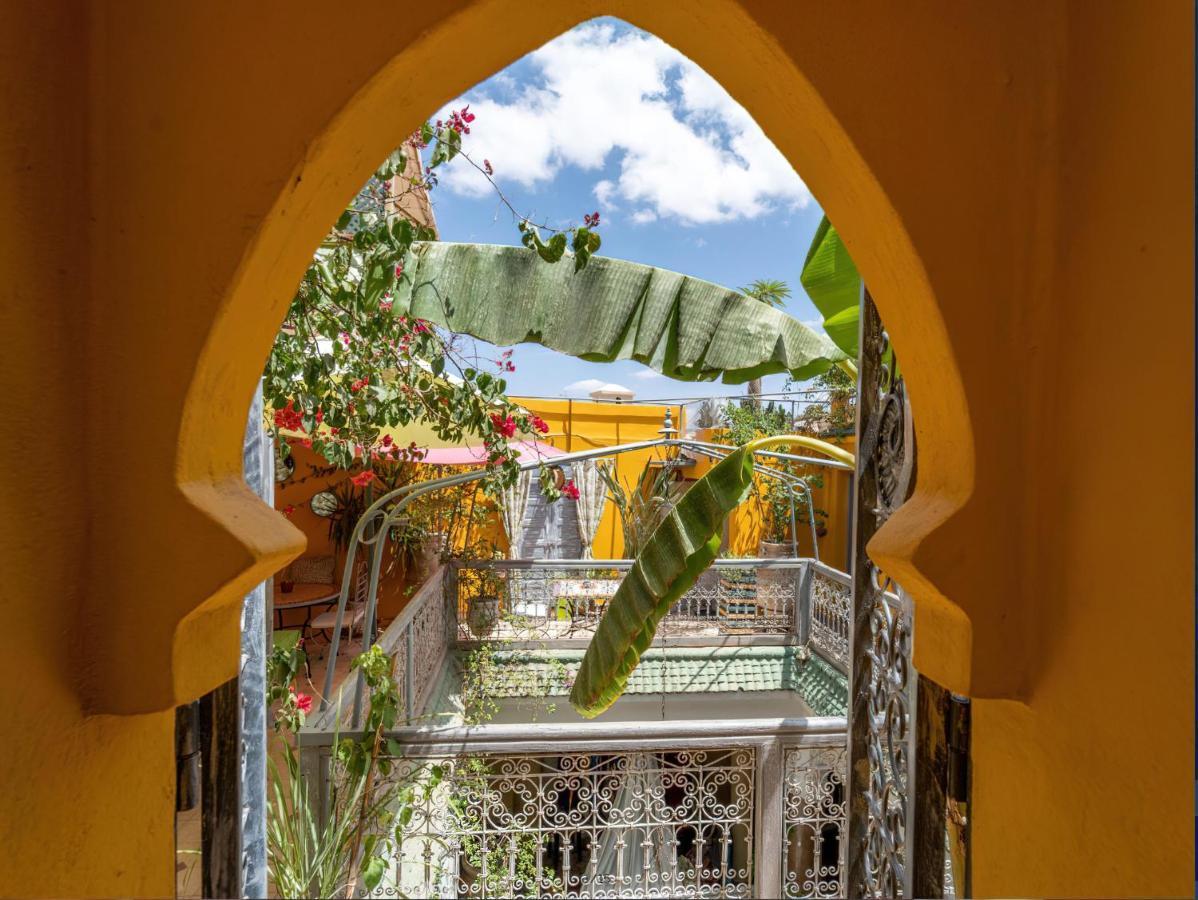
[1013, 180]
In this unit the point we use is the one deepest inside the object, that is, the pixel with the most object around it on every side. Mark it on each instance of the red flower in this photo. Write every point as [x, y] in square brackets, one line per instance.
[398, 269]
[319, 415]
[288, 510]
[385, 305]
[345, 338]
[540, 425]
[359, 384]
[306, 443]
[303, 703]
[505, 425]
[592, 219]
[387, 439]
[362, 478]
[420, 326]
[289, 418]
[569, 489]
[487, 167]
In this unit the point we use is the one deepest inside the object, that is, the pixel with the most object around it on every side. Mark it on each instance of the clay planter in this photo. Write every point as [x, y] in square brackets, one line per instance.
[483, 614]
[771, 550]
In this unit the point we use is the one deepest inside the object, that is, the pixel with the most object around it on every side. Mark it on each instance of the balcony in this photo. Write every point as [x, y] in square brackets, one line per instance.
[720, 773]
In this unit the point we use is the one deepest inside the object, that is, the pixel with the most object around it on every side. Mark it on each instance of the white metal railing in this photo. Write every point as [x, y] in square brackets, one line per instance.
[748, 808]
[831, 609]
[417, 641]
[563, 600]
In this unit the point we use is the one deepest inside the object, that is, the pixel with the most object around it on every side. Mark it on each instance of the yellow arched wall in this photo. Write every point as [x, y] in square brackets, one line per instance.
[1013, 180]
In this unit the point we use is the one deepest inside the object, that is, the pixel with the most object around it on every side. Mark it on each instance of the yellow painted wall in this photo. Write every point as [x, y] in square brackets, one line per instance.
[748, 523]
[576, 425]
[1014, 181]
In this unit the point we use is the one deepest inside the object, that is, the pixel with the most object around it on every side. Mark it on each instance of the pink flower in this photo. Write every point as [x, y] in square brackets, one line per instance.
[592, 219]
[505, 425]
[303, 703]
[362, 479]
[487, 167]
[385, 305]
[569, 489]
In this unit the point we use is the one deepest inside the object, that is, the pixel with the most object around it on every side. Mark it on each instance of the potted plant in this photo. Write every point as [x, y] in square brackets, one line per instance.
[483, 611]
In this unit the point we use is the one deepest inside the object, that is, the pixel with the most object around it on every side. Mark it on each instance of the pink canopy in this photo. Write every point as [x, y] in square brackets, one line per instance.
[476, 456]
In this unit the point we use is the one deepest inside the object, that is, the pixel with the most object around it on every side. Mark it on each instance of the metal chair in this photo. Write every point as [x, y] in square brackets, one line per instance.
[355, 609]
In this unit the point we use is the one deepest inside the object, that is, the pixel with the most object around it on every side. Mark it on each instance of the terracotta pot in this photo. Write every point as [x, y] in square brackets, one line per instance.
[484, 612]
[772, 550]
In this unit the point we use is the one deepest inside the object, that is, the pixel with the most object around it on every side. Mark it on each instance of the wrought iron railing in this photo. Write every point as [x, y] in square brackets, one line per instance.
[831, 594]
[563, 600]
[417, 641]
[748, 808]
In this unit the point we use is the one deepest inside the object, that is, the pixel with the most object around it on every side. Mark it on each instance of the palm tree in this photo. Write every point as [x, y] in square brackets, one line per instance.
[771, 292]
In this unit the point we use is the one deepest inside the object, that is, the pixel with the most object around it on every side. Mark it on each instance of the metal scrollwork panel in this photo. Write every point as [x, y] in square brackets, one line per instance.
[814, 824]
[545, 602]
[675, 823]
[882, 677]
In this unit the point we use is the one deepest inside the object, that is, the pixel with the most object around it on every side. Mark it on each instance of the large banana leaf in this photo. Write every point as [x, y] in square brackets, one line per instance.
[832, 282]
[682, 327]
[673, 557]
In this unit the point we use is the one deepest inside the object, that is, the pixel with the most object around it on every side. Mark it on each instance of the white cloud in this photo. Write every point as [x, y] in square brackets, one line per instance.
[647, 374]
[684, 148]
[584, 387]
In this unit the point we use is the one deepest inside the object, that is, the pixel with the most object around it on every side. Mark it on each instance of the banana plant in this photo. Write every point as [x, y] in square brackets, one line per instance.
[685, 328]
[671, 561]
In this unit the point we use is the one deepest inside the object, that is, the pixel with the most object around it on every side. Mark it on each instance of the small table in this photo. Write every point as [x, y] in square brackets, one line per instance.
[305, 595]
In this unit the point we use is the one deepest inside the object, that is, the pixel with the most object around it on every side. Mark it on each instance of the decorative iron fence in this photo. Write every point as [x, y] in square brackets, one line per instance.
[702, 809]
[644, 823]
[814, 837]
[417, 641]
[552, 600]
[831, 612]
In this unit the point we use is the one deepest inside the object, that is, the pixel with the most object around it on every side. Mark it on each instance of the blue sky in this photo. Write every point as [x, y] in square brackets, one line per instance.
[609, 118]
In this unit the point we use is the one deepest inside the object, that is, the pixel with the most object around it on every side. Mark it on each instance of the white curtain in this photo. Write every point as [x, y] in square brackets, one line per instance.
[515, 504]
[638, 806]
[592, 495]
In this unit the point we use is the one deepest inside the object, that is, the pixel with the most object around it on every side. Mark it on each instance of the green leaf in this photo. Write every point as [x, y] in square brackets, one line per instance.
[673, 557]
[372, 872]
[831, 280]
[380, 278]
[682, 327]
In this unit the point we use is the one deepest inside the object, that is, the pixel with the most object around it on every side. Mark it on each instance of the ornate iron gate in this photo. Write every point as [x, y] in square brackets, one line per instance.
[893, 851]
[881, 679]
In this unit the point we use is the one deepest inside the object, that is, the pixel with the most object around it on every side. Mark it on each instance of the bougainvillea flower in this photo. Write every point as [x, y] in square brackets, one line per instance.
[303, 703]
[362, 479]
[569, 489]
[505, 425]
[540, 424]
